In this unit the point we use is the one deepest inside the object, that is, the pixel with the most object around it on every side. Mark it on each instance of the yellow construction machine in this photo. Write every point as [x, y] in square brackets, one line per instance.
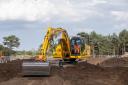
[58, 47]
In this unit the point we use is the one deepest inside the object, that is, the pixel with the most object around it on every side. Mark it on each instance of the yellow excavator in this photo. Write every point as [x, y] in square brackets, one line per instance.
[57, 46]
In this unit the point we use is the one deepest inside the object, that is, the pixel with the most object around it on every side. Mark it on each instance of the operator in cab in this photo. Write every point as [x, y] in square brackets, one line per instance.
[76, 48]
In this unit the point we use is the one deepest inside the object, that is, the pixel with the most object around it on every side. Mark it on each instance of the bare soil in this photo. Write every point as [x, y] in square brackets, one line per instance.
[116, 62]
[10, 69]
[81, 74]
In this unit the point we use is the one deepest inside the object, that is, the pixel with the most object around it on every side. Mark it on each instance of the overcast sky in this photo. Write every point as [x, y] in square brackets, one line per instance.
[29, 19]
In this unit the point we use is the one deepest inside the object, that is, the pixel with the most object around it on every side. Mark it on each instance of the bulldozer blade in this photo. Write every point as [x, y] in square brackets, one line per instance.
[36, 68]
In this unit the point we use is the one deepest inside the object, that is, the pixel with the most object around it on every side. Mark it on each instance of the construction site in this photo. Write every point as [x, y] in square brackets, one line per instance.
[63, 42]
[112, 71]
[65, 61]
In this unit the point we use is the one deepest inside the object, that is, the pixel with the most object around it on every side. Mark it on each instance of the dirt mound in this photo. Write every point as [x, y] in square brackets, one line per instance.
[88, 74]
[81, 74]
[115, 62]
[97, 60]
[10, 69]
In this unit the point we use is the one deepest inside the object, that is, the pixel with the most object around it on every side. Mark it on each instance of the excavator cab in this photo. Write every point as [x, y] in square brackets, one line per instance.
[77, 47]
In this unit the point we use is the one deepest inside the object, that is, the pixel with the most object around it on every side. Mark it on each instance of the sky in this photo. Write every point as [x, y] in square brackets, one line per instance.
[29, 19]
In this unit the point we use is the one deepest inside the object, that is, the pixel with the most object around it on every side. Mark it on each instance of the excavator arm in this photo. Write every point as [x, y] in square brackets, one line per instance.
[45, 45]
[61, 48]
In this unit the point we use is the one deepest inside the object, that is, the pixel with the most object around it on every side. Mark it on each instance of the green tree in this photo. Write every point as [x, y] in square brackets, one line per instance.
[1, 47]
[85, 36]
[115, 43]
[6, 51]
[123, 36]
[11, 41]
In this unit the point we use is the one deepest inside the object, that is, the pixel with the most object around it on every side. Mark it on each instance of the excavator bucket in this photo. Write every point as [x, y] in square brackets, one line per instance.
[36, 68]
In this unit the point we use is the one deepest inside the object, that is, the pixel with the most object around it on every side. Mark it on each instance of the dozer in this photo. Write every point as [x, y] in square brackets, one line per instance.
[58, 47]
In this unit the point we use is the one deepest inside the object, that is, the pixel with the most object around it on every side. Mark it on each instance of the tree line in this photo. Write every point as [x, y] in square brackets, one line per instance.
[112, 44]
